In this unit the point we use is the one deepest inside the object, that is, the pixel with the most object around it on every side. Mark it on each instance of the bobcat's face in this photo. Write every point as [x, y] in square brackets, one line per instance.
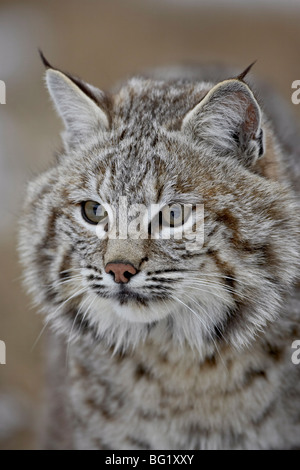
[142, 274]
[135, 167]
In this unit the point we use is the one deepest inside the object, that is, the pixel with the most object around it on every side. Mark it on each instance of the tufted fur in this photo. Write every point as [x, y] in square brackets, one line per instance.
[195, 354]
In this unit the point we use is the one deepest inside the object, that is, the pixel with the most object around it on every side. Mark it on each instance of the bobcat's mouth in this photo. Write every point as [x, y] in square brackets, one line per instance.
[129, 296]
[126, 295]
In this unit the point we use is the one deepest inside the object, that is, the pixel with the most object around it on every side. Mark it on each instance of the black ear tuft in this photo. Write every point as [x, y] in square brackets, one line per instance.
[44, 60]
[242, 75]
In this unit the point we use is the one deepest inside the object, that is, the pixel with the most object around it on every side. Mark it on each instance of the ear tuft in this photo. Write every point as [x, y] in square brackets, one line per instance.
[242, 75]
[44, 60]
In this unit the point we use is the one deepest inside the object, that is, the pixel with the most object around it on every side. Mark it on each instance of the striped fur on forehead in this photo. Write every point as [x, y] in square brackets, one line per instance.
[156, 102]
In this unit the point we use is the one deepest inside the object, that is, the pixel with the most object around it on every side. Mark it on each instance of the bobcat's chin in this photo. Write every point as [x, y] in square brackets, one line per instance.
[137, 312]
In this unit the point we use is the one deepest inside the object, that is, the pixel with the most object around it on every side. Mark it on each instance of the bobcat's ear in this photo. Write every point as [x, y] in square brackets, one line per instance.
[82, 107]
[228, 122]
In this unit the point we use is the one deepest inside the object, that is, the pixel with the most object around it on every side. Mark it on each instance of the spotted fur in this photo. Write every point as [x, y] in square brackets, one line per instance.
[194, 353]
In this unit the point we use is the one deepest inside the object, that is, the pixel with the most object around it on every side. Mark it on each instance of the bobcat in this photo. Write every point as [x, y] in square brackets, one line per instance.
[166, 343]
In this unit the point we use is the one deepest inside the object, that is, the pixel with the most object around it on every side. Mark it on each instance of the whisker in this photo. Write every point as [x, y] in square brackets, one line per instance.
[210, 292]
[52, 314]
[216, 274]
[215, 343]
[40, 335]
[80, 291]
[59, 283]
[87, 310]
[70, 335]
[69, 338]
[228, 289]
[199, 318]
[65, 271]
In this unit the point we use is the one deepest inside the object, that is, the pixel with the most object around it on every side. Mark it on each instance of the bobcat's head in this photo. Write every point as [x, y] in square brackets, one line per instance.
[147, 158]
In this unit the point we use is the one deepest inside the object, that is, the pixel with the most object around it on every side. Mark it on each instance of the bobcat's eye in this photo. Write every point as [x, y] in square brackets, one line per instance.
[175, 215]
[93, 212]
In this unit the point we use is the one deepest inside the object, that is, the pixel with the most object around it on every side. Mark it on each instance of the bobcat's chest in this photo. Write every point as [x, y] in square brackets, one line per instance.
[155, 400]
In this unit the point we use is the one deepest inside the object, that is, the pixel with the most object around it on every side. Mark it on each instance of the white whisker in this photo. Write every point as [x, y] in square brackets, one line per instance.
[40, 335]
[199, 318]
[215, 344]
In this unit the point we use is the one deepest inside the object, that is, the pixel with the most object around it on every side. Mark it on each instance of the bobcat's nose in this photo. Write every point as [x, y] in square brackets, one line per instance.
[121, 272]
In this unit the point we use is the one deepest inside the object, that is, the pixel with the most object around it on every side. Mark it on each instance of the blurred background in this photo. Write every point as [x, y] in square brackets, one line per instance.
[102, 41]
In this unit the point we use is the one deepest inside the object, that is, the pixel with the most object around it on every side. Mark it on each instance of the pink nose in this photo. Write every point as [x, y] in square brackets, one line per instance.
[121, 272]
